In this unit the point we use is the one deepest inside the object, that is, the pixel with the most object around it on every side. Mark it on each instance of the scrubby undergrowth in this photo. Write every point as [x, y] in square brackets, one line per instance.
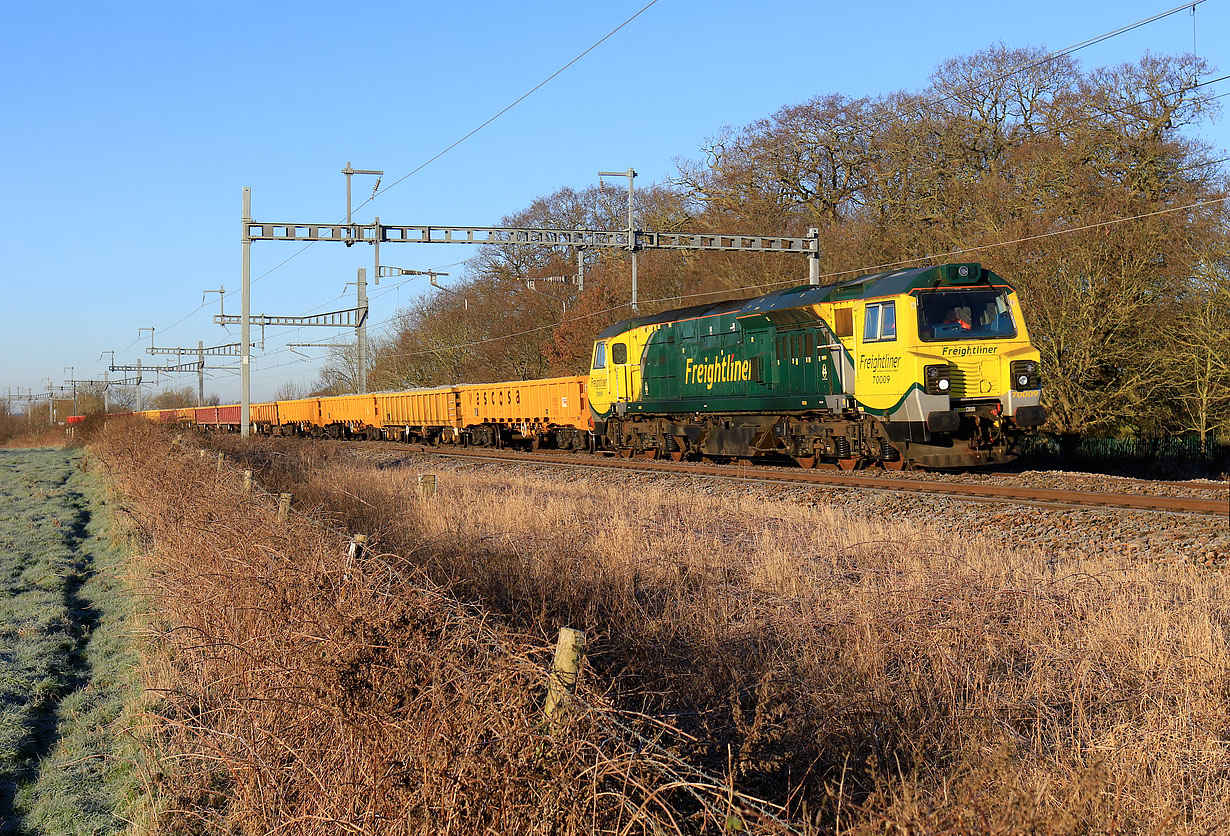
[863, 678]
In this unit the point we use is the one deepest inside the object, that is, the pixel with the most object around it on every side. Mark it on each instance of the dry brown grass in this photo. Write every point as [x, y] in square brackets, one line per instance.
[305, 692]
[43, 437]
[858, 674]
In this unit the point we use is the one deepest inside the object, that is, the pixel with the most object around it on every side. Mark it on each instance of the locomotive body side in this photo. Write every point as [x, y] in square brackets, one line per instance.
[868, 370]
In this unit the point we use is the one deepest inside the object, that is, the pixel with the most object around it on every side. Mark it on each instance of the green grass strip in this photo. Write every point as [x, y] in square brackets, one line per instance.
[67, 666]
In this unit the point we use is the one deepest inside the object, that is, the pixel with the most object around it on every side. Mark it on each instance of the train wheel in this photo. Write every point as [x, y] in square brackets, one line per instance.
[677, 456]
[650, 454]
[535, 443]
[806, 462]
[625, 452]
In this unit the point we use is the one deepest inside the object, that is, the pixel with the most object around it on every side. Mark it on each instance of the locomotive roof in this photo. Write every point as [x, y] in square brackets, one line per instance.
[891, 283]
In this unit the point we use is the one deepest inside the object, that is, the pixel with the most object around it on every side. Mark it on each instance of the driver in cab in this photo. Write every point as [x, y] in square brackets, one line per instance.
[959, 317]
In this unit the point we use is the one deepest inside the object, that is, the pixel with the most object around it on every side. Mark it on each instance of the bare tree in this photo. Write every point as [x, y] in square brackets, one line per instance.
[177, 398]
[291, 390]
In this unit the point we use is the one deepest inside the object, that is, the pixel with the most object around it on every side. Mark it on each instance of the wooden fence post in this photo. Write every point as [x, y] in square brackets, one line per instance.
[358, 546]
[247, 481]
[220, 460]
[562, 684]
[283, 507]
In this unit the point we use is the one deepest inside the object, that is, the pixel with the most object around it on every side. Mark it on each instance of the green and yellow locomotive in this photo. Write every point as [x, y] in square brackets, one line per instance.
[928, 367]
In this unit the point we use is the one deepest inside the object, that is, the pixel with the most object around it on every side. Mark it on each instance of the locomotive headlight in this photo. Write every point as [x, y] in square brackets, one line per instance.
[936, 379]
[1025, 374]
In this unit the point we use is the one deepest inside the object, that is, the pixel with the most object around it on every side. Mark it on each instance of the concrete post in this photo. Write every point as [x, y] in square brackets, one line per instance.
[813, 258]
[361, 329]
[245, 323]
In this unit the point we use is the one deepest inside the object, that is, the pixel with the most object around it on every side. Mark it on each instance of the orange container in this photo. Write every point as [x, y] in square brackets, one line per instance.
[537, 404]
[263, 413]
[419, 408]
[352, 410]
[302, 411]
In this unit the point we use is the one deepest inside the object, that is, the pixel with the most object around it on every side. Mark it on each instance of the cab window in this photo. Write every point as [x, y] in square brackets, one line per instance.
[880, 322]
[599, 355]
[619, 353]
[967, 314]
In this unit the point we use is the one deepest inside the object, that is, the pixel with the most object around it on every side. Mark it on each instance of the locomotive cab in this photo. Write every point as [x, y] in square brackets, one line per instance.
[944, 362]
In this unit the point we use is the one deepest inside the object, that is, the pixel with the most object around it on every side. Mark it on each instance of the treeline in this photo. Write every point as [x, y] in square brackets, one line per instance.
[1083, 187]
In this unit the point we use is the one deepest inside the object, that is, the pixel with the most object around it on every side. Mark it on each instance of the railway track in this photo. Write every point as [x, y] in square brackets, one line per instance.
[1005, 494]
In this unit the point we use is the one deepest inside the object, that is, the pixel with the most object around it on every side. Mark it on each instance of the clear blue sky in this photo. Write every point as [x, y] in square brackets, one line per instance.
[130, 129]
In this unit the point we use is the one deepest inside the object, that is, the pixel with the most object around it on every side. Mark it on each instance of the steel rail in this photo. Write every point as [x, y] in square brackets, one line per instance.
[1007, 494]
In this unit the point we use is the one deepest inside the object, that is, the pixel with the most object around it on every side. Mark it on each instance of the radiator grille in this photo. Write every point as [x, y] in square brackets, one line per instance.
[966, 381]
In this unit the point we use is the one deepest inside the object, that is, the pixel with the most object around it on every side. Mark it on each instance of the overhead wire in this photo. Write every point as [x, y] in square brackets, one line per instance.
[1191, 4]
[380, 191]
[1049, 57]
[973, 86]
[1043, 131]
[872, 269]
[440, 154]
[522, 98]
[377, 295]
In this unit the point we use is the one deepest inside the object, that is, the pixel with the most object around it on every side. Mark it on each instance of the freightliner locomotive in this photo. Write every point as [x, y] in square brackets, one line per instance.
[929, 367]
